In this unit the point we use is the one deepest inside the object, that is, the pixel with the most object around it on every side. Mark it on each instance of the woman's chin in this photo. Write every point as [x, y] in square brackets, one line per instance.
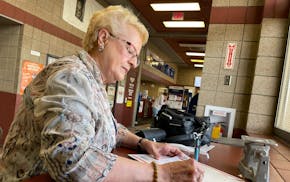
[120, 77]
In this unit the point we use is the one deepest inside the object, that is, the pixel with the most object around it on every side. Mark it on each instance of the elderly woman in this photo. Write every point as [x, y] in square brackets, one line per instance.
[64, 126]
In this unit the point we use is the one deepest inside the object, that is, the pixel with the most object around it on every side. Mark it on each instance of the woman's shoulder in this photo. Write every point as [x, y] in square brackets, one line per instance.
[71, 62]
[66, 60]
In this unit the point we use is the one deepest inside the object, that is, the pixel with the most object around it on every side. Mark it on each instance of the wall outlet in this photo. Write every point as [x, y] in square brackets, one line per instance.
[227, 80]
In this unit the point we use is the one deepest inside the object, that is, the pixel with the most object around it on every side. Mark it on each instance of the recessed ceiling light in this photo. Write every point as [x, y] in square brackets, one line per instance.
[195, 54]
[198, 65]
[191, 45]
[184, 24]
[197, 60]
[175, 6]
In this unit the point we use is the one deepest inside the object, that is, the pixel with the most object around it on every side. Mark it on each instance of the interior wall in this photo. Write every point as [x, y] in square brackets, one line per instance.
[10, 46]
[237, 94]
[153, 88]
[259, 32]
[186, 76]
[267, 77]
[245, 34]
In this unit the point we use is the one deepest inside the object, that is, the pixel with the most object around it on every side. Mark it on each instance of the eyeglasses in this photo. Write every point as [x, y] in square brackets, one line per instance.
[130, 48]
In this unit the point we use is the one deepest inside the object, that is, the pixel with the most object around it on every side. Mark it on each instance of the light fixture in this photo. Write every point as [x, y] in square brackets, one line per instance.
[191, 45]
[197, 60]
[175, 6]
[195, 54]
[198, 65]
[184, 24]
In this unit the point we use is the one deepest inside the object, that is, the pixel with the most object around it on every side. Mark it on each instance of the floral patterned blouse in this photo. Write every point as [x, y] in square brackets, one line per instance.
[64, 125]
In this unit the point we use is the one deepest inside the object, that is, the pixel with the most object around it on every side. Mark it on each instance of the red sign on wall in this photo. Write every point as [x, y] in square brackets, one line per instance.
[230, 56]
[29, 72]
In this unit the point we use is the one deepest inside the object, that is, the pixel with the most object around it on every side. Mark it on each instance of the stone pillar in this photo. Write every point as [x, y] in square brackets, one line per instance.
[267, 77]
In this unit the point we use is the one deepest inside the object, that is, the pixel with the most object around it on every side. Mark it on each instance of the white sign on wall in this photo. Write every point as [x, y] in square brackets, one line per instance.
[197, 81]
[68, 15]
[120, 95]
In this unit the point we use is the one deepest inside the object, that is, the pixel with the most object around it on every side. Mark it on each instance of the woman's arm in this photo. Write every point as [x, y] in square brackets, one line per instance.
[126, 138]
[129, 170]
[74, 146]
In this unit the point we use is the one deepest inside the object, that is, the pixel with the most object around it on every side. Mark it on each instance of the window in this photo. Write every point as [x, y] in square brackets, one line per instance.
[282, 123]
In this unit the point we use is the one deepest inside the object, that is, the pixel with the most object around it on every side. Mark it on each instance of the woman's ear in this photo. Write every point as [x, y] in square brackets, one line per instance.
[103, 36]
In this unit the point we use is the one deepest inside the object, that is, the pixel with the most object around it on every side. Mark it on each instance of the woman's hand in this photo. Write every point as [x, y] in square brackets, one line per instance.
[188, 170]
[157, 149]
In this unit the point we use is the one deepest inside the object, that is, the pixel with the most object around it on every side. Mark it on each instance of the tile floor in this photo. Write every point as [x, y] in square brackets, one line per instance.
[280, 162]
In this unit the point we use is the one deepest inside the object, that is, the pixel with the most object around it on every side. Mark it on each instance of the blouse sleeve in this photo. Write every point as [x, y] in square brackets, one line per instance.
[68, 139]
[121, 132]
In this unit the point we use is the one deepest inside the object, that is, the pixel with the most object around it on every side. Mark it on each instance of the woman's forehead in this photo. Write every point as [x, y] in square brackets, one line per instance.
[131, 34]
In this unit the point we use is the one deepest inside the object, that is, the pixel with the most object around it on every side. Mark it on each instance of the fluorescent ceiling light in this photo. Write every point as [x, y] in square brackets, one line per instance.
[191, 45]
[195, 54]
[184, 24]
[175, 6]
[197, 60]
[198, 65]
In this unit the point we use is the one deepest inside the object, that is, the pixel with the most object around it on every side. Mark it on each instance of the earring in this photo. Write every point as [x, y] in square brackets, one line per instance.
[101, 47]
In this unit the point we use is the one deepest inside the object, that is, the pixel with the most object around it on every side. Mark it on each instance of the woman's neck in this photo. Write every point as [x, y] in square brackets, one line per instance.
[96, 58]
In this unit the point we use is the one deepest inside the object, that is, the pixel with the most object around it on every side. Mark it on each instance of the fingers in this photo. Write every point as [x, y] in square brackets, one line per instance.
[156, 154]
[198, 178]
[153, 149]
[176, 151]
[158, 149]
[173, 152]
[188, 170]
[195, 169]
[198, 172]
[169, 150]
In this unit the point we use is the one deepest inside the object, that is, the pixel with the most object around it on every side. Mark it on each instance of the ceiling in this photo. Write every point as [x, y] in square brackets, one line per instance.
[168, 39]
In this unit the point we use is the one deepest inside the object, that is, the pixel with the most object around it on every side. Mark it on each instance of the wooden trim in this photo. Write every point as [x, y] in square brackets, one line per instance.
[276, 9]
[236, 15]
[250, 14]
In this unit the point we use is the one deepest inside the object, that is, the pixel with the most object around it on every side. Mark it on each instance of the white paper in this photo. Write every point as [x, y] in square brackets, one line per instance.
[190, 150]
[162, 160]
[120, 95]
[211, 174]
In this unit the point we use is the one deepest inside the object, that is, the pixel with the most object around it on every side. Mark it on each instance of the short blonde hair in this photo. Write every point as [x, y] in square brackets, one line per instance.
[112, 18]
